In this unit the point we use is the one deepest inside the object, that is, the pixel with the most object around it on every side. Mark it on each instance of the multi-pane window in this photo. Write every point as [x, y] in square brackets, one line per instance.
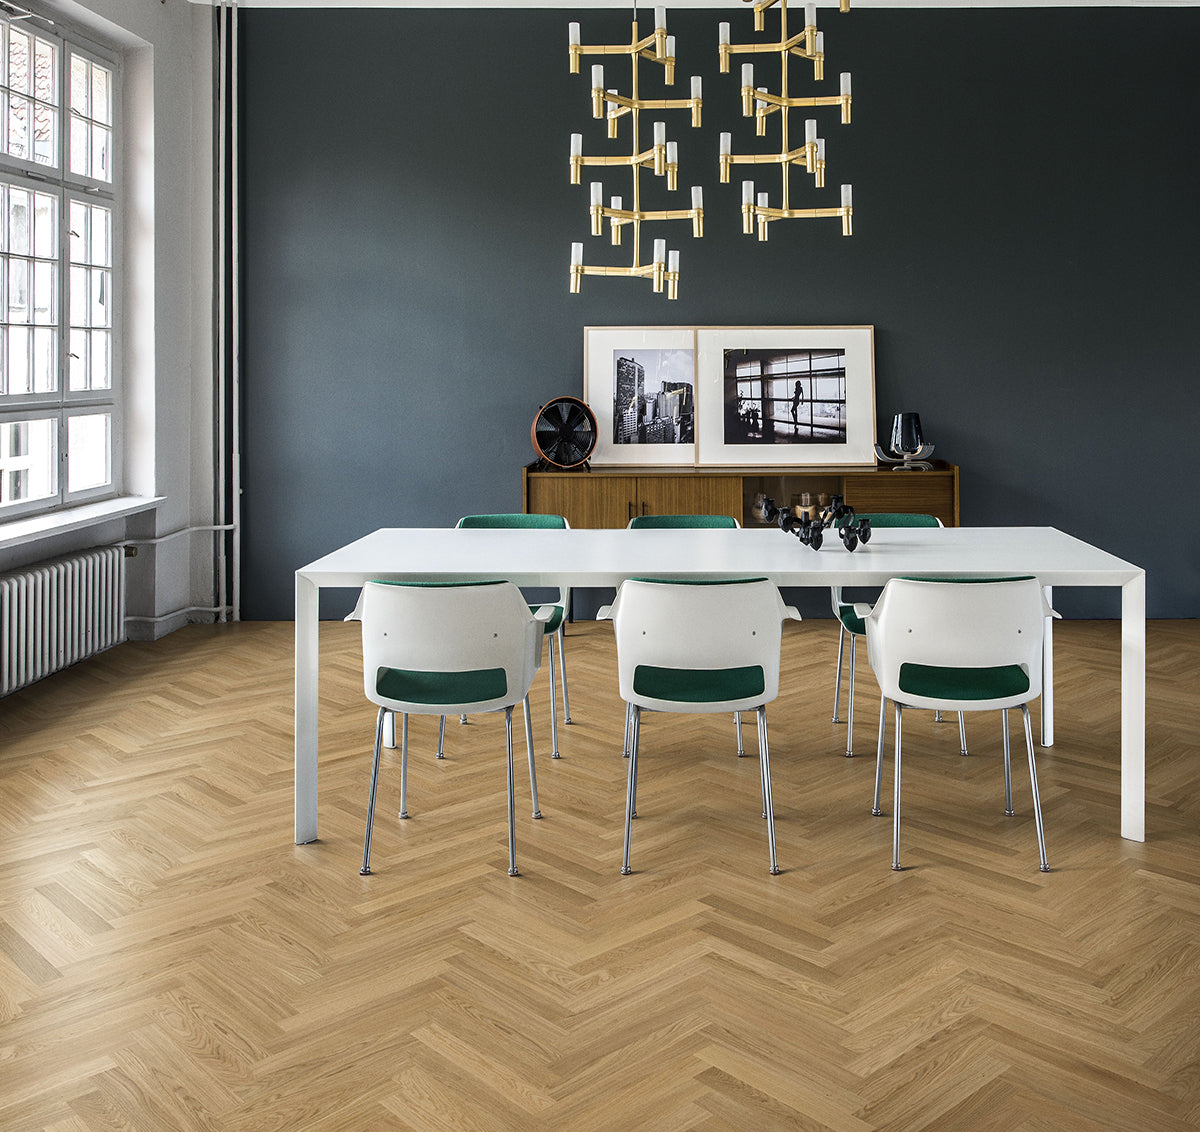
[59, 366]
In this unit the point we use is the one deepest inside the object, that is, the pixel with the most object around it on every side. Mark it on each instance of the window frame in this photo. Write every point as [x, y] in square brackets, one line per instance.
[63, 403]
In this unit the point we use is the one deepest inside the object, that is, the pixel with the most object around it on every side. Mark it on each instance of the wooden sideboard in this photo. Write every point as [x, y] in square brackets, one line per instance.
[610, 497]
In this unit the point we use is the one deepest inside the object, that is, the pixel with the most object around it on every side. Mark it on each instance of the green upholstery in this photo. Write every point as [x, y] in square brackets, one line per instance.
[514, 521]
[680, 522]
[698, 581]
[938, 682]
[851, 620]
[441, 687]
[437, 585]
[698, 685]
[899, 519]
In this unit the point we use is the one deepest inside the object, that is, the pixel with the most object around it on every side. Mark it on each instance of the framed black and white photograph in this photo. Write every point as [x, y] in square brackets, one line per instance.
[640, 382]
[786, 395]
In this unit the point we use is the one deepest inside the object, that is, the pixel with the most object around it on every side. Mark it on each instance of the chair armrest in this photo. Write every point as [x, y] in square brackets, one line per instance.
[792, 613]
[544, 612]
[863, 609]
[356, 613]
[604, 613]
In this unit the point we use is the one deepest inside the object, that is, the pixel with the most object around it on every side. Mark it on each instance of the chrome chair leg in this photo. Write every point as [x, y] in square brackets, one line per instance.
[1037, 801]
[441, 751]
[366, 865]
[625, 741]
[962, 735]
[537, 811]
[837, 685]
[553, 704]
[896, 866]
[850, 700]
[404, 765]
[631, 786]
[512, 814]
[562, 668]
[1008, 806]
[875, 809]
[737, 726]
[937, 716]
[764, 758]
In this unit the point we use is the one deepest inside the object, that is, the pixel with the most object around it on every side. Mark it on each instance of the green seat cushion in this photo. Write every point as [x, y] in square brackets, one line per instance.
[698, 685]
[936, 682]
[409, 686]
[555, 617]
[854, 624]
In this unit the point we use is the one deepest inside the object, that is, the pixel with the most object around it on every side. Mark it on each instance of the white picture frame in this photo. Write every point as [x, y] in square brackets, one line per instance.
[768, 396]
[646, 365]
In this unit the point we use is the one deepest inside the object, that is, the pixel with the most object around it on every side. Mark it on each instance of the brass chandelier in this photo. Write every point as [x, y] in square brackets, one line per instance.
[660, 157]
[760, 104]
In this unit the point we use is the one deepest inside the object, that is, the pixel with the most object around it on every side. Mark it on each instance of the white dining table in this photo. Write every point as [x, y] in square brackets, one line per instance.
[604, 558]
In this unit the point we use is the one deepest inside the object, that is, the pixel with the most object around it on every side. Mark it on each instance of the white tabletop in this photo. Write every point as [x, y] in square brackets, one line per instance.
[580, 557]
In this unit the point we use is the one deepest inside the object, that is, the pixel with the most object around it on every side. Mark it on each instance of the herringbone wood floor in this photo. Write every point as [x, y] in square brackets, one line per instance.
[169, 960]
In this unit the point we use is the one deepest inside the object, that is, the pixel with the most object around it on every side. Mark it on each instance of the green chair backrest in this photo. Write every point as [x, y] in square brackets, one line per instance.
[899, 519]
[679, 522]
[540, 522]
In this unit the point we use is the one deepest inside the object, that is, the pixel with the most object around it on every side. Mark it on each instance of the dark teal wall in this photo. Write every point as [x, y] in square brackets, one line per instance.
[1025, 244]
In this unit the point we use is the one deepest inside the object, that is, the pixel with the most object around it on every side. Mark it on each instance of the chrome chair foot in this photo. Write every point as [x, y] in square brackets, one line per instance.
[555, 755]
[364, 872]
[625, 870]
[403, 814]
[1043, 868]
[848, 755]
[897, 868]
[877, 813]
[514, 872]
[537, 814]
[1009, 813]
[774, 870]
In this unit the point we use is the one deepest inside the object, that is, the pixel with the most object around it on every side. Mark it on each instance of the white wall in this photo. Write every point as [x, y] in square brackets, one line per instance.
[168, 170]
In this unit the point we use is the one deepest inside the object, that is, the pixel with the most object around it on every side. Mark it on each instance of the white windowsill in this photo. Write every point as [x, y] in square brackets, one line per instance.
[17, 532]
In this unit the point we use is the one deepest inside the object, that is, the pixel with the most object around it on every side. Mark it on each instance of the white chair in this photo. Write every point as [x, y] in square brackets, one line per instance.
[554, 614]
[439, 649]
[698, 647]
[958, 646]
[851, 625]
[687, 522]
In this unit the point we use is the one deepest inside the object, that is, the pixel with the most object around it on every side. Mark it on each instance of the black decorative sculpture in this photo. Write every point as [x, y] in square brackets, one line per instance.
[839, 515]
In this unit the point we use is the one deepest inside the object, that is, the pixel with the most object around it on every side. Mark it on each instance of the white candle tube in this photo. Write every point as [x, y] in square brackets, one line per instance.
[673, 262]
[747, 74]
[723, 34]
[726, 143]
[660, 133]
[597, 76]
[762, 200]
[810, 15]
[573, 35]
[847, 196]
[597, 192]
[810, 131]
[747, 192]
[696, 86]
[576, 255]
[672, 153]
[845, 82]
[670, 47]
[660, 19]
[577, 145]
[820, 43]
[697, 196]
[660, 251]
[616, 204]
[820, 149]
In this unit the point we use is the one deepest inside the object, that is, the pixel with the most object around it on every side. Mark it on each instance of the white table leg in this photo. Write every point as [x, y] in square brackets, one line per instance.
[1133, 708]
[307, 658]
[1048, 673]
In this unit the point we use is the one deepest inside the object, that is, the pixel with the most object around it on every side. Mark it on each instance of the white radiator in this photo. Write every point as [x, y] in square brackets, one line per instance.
[55, 613]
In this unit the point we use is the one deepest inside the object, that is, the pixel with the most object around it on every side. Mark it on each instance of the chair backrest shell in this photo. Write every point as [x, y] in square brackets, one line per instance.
[977, 623]
[685, 626]
[449, 628]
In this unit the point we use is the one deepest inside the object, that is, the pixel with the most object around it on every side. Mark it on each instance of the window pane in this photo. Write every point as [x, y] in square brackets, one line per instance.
[45, 134]
[18, 60]
[43, 293]
[101, 94]
[45, 71]
[79, 145]
[45, 360]
[101, 247]
[79, 84]
[45, 226]
[78, 367]
[88, 463]
[18, 290]
[28, 460]
[101, 140]
[100, 313]
[18, 126]
[100, 350]
[79, 232]
[79, 296]
[18, 361]
[18, 221]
